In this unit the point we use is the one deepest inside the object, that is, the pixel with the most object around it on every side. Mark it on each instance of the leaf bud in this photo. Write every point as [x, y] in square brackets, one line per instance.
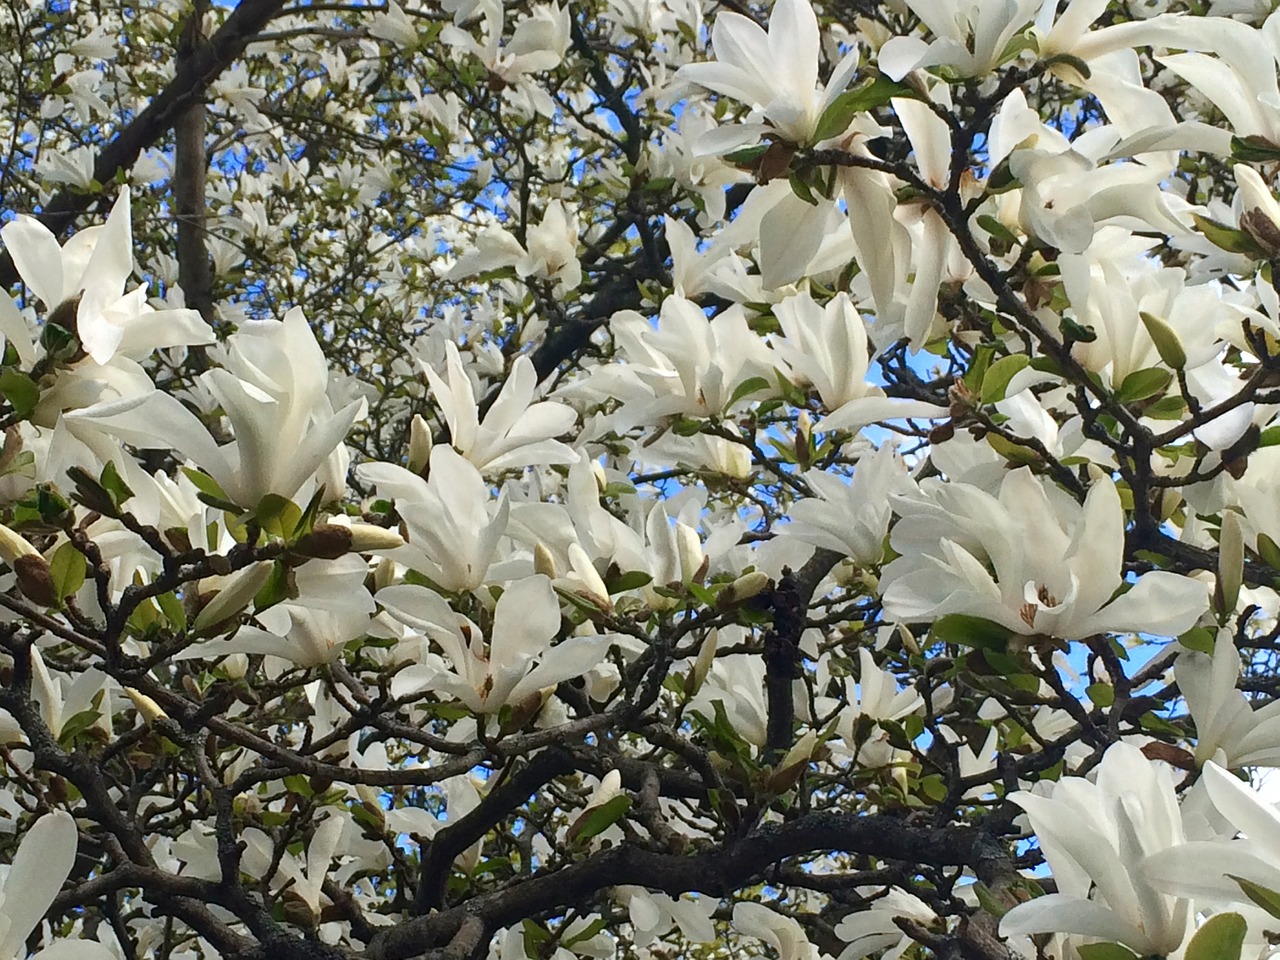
[35, 580]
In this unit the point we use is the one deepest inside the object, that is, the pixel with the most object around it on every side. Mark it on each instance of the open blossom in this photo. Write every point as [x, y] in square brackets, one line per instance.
[1228, 728]
[850, 518]
[95, 265]
[1206, 868]
[1030, 559]
[1094, 836]
[776, 73]
[272, 390]
[550, 252]
[454, 526]
[331, 608]
[970, 38]
[515, 432]
[517, 662]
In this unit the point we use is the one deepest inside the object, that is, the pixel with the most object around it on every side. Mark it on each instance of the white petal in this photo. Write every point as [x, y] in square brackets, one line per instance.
[43, 862]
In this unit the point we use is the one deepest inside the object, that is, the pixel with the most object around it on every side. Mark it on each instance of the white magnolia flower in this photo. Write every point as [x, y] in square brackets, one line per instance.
[875, 928]
[331, 608]
[1228, 729]
[784, 934]
[1095, 836]
[775, 73]
[454, 527]
[272, 390]
[95, 265]
[970, 38]
[851, 518]
[519, 660]
[1030, 559]
[1204, 868]
[516, 432]
[652, 914]
[826, 347]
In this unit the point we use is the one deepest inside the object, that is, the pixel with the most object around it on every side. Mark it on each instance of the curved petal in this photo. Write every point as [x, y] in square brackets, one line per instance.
[43, 862]
[1058, 913]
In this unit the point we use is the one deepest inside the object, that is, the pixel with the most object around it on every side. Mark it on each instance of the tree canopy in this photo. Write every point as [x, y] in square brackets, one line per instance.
[639, 478]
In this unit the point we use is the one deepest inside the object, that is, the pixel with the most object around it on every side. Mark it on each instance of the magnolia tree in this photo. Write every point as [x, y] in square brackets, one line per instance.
[645, 478]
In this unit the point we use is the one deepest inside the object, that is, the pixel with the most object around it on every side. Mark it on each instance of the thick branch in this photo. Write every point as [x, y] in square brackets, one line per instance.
[716, 872]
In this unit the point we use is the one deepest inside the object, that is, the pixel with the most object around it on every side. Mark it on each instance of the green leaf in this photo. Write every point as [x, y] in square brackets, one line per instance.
[173, 610]
[278, 516]
[20, 390]
[1269, 551]
[586, 933]
[1198, 638]
[1221, 937]
[1105, 951]
[978, 367]
[748, 156]
[996, 380]
[1268, 900]
[1074, 62]
[1102, 694]
[996, 228]
[970, 631]
[934, 787]
[52, 505]
[274, 590]
[631, 580]
[1166, 340]
[598, 819]
[1074, 332]
[67, 570]
[1172, 407]
[747, 387]
[1142, 384]
[802, 189]
[534, 934]
[841, 111]
[1254, 149]
[987, 900]
[75, 725]
[207, 485]
[114, 484]
[1228, 238]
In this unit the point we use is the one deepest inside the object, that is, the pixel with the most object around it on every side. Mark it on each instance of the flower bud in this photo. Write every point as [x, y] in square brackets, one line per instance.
[327, 541]
[371, 538]
[384, 574]
[544, 561]
[693, 562]
[1230, 564]
[702, 664]
[237, 592]
[14, 545]
[583, 570]
[1260, 216]
[148, 709]
[419, 444]
[744, 588]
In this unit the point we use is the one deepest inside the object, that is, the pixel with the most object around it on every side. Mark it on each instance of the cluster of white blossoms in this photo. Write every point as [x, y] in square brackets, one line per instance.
[826, 503]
